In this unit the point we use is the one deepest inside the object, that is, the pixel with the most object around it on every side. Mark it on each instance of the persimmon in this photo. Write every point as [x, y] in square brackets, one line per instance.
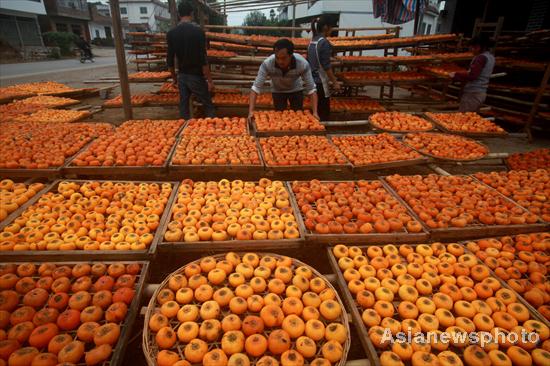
[42, 335]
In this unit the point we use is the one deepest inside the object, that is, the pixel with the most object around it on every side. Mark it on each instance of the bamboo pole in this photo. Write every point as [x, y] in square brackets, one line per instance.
[121, 59]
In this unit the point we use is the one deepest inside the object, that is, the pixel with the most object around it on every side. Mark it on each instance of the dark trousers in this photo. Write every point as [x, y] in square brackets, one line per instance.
[194, 84]
[281, 100]
[323, 104]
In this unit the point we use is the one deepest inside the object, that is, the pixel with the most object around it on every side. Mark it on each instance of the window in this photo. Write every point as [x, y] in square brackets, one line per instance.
[60, 27]
[108, 33]
[143, 10]
[123, 11]
[429, 29]
[97, 34]
[423, 28]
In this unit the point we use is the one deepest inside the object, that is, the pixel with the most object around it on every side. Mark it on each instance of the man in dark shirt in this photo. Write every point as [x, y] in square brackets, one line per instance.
[187, 43]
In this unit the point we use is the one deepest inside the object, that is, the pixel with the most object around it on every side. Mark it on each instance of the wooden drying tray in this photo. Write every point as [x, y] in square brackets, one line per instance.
[389, 82]
[441, 158]
[477, 230]
[336, 168]
[418, 114]
[233, 244]
[372, 238]
[534, 312]
[119, 171]
[462, 133]
[52, 173]
[148, 61]
[216, 168]
[52, 255]
[356, 310]
[238, 60]
[384, 165]
[119, 350]
[278, 133]
[388, 44]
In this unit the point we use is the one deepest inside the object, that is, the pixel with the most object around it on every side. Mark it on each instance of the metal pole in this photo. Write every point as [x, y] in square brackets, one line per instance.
[173, 12]
[121, 59]
[293, 17]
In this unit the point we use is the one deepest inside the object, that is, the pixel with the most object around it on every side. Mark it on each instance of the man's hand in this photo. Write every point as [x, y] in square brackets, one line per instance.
[250, 115]
[316, 115]
[210, 86]
[337, 86]
[175, 81]
[452, 75]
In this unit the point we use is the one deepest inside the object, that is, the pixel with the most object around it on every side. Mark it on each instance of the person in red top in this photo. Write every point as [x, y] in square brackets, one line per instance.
[477, 78]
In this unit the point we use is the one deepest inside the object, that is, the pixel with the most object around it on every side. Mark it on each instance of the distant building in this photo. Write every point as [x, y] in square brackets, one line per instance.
[66, 16]
[145, 15]
[356, 14]
[100, 24]
[19, 25]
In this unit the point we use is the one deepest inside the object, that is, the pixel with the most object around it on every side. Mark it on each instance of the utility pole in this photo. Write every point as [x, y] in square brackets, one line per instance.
[173, 12]
[293, 17]
[121, 59]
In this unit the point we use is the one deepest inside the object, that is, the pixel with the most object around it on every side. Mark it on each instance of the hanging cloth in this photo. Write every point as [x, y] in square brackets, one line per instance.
[396, 11]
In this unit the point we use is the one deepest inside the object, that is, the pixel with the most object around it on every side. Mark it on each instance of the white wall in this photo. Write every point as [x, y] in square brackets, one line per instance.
[99, 27]
[26, 6]
[134, 14]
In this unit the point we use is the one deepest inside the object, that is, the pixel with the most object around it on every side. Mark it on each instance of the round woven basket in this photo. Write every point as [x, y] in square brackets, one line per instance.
[150, 348]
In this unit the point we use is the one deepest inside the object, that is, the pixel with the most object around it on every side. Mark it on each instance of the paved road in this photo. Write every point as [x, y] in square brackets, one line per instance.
[10, 71]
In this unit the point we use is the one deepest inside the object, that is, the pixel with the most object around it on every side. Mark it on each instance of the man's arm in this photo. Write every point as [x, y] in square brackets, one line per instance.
[252, 103]
[310, 88]
[475, 69]
[170, 58]
[257, 87]
[204, 62]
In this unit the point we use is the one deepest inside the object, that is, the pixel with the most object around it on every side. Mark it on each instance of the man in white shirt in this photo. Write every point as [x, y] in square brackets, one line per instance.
[290, 76]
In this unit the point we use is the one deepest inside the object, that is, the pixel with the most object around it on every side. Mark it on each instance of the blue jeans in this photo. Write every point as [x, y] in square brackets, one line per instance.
[194, 84]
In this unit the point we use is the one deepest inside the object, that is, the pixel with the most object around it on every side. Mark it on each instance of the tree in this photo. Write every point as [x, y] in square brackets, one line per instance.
[257, 18]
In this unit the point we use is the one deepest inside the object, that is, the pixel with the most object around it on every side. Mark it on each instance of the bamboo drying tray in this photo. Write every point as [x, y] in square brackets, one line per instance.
[150, 348]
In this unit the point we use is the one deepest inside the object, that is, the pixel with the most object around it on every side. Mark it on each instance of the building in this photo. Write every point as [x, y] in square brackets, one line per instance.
[100, 25]
[66, 16]
[19, 25]
[145, 15]
[356, 14]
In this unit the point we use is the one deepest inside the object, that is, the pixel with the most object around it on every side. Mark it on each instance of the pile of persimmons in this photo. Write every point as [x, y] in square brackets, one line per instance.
[89, 216]
[536, 159]
[399, 122]
[218, 150]
[374, 149]
[216, 126]
[220, 54]
[43, 146]
[160, 75]
[457, 201]
[522, 261]
[13, 195]
[361, 207]
[63, 314]
[286, 121]
[52, 116]
[241, 99]
[300, 150]
[465, 122]
[446, 146]
[227, 210]
[249, 309]
[134, 143]
[528, 189]
[436, 289]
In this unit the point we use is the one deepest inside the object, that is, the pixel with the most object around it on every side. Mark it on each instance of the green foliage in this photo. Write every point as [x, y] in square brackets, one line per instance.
[257, 18]
[63, 40]
[54, 53]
